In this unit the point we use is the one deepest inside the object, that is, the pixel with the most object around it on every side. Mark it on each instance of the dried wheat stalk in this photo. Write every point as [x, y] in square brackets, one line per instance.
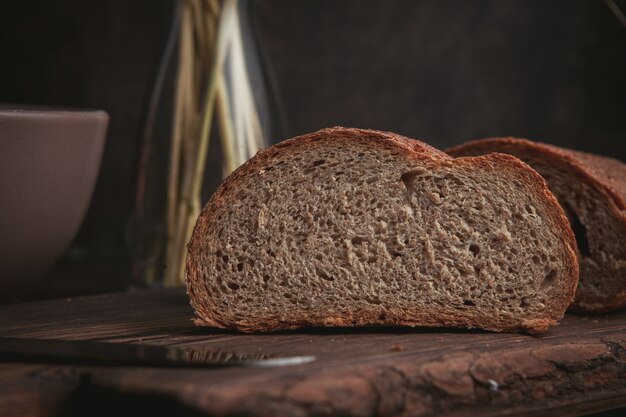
[209, 34]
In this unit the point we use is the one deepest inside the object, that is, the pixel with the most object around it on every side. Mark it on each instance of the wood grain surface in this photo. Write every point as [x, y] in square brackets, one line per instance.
[578, 367]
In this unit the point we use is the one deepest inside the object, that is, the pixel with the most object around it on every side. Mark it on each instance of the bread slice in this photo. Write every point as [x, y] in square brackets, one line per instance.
[592, 190]
[350, 227]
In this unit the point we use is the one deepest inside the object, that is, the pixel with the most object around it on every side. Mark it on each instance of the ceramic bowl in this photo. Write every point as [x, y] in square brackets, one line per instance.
[49, 162]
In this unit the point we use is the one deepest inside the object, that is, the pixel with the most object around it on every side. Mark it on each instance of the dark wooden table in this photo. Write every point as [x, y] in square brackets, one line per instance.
[578, 367]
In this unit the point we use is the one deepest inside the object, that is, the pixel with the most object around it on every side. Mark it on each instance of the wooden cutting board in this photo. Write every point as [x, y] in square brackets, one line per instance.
[578, 367]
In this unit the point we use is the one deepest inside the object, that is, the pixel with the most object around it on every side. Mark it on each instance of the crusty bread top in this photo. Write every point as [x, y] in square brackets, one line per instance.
[414, 148]
[606, 174]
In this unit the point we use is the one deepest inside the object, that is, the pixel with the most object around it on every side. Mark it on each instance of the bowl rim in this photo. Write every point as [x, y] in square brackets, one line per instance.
[8, 109]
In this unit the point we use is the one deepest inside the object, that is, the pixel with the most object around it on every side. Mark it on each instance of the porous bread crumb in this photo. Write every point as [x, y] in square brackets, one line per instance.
[368, 228]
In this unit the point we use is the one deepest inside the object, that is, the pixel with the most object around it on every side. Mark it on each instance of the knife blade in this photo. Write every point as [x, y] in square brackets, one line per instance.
[132, 354]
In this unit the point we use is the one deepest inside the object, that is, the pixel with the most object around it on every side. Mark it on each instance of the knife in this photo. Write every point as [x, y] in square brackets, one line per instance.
[131, 354]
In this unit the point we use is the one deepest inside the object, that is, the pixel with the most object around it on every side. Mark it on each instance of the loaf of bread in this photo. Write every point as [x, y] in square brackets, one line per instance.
[592, 191]
[350, 227]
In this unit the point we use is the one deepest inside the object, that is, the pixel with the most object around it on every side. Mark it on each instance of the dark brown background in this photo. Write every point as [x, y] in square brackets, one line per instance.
[440, 71]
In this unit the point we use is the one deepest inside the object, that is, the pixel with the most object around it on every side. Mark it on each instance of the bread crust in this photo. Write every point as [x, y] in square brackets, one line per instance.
[198, 292]
[606, 175]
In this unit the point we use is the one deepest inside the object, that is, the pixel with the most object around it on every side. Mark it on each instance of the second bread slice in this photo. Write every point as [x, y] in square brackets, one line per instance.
[592, 191]
[347, 227]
